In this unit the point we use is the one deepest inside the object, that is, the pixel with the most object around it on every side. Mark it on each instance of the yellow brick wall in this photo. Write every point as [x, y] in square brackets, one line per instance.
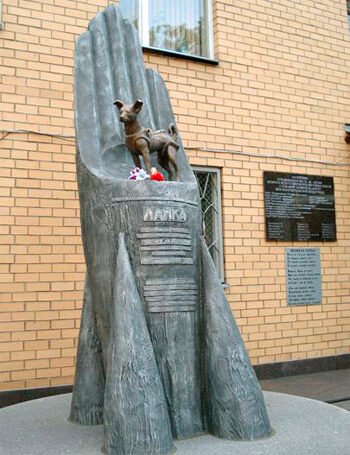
[277, 101]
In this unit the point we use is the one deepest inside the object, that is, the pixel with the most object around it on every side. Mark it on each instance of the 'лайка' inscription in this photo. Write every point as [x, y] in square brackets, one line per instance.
[165, 214]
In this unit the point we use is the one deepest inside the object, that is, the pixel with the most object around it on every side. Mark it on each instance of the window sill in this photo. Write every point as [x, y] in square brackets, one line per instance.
[193, 58]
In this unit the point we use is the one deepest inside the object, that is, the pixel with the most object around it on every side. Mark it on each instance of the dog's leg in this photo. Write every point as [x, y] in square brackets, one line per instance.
[136, 160]
[171, 155]
[145, 152]
[166, 158]
[163, 162]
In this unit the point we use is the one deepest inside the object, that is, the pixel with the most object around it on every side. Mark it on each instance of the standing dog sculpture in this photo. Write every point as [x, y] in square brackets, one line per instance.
[144, 141]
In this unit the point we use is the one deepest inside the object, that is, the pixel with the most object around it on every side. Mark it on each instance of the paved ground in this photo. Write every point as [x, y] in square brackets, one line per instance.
[302, 427]
[329, 386]
[41, 426]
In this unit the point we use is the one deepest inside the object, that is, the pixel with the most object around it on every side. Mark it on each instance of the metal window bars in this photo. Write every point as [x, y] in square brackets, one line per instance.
[210, 194]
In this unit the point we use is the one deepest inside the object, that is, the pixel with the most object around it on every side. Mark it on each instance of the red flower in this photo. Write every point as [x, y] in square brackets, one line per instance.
[158, 176]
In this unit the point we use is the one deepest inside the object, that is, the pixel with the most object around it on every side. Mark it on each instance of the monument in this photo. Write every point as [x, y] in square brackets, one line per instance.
[160, 357]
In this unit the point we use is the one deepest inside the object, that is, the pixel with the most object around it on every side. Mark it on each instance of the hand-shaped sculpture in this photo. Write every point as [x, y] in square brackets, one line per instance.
[160, 356]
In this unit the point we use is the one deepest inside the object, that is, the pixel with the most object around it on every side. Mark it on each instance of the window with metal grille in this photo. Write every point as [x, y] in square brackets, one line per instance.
[209, 185]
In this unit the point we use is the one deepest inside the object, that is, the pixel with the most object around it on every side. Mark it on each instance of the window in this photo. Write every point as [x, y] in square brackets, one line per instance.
[1, 24]
[348, 6]
[181, 26]
[210, 193]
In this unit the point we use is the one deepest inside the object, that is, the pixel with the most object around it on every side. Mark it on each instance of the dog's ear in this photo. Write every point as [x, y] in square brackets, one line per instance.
[138, 106]
[119, 104]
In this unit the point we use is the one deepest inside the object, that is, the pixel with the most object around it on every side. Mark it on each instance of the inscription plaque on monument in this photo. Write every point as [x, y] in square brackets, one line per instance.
[299, 207]
[303, 276]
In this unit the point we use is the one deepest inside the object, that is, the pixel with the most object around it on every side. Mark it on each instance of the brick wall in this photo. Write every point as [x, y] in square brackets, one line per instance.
[277, 101]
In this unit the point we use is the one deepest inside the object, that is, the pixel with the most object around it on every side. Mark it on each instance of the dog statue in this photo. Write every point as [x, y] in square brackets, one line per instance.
[144, 141]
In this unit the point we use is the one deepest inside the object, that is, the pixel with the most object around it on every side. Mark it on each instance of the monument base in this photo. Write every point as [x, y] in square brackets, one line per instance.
[301, 427]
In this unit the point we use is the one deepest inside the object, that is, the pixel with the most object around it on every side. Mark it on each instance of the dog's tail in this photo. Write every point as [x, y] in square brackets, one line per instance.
[172, 131]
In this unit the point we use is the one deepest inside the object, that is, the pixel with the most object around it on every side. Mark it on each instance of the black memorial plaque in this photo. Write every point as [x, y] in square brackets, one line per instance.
[299, 207]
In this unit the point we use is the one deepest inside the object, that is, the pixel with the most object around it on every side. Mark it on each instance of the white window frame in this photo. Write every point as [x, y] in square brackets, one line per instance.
[210, 28]
[219, 264]
[143, 21]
